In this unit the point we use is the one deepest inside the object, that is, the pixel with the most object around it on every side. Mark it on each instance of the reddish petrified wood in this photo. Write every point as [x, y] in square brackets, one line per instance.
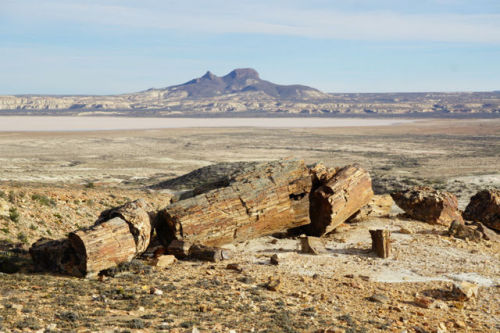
[429, 205]
[259, 200]
[344, 194]
[381, 242]
[484, 207]
[103, 246]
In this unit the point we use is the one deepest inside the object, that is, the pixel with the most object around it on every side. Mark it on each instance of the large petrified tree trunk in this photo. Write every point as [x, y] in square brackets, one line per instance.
[118, 235]
[103, 246]
[259, 200]
[344, 194]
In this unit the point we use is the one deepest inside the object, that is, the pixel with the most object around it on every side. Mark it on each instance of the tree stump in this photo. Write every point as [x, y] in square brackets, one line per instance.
[344, 194]
[381, 242]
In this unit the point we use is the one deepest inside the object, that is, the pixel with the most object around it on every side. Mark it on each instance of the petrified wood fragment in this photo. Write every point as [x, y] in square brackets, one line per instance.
[312, 245]
[179, 248]
[484, 207]
[344, 194]
[426, 204]
[381, 242]
[259, 200]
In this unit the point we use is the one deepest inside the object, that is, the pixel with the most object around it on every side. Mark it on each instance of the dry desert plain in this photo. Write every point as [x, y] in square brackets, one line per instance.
[55, 182]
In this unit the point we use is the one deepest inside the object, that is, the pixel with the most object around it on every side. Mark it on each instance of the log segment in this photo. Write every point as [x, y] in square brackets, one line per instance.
[119, 235]
[381, 242]
[259, 200]
[349, 189]
[103, 246]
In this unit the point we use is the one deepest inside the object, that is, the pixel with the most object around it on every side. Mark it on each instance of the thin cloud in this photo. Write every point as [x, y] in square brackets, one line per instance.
[261, 18]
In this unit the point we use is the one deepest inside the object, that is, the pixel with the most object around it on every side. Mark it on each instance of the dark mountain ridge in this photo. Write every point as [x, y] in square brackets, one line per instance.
[241, 80]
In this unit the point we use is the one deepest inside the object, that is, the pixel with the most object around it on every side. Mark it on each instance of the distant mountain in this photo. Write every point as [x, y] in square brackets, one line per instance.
[242, 80]
[242, 91]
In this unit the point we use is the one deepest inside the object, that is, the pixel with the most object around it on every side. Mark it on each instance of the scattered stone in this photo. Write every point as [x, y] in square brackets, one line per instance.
[488, 234]
[459, 230]
[464, 291]
[273, 283]
[381, 242]
[275, 260]
[484, 207]
[428, 205]
[164, 261]
[424, 302]
[155, 291]
[235, 267]
[312, 245]
[405, 231]
[378, 298]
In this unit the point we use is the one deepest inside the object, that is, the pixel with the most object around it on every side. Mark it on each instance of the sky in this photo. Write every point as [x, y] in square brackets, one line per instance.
[121, 46]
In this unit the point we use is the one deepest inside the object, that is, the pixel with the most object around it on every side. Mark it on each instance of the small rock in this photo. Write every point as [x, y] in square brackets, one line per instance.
[439, 305]
[164, 261]
[441, 328]
[424, 302]
[195, 330]
[378, 298]
[459, 230]
[465, 290]
[273, 284]
[405, 231]
[235, 267]
[155, 291]
[275, 259]
[17, 307]
[459, 324]
[312, 245]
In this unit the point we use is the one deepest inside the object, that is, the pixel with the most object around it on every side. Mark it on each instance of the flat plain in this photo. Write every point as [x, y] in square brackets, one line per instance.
[60, 181]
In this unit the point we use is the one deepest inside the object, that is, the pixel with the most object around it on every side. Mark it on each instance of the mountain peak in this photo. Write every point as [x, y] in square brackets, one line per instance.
[209, 75]
[247, 73]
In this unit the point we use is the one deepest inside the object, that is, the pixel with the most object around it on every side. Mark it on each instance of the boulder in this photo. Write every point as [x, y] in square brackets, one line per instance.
[428, 205]
[484, 207]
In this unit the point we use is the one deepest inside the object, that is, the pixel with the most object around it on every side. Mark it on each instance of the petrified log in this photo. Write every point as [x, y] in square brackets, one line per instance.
[462, 231]
[103, 246]
[381, 242]
[259, 200]
[345, 193]
[426, 204]
[55, 256]
[484, 207]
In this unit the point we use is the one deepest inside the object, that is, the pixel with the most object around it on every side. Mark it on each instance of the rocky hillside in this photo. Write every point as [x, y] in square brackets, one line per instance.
[243, 91]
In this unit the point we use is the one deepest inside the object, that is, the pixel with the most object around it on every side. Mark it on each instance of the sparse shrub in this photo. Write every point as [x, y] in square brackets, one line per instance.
[12, 197]
[58, 216]
[33, 227]
[49, 232]
[14, 214]
[44, 200]
[2, 194]
[90, 185]
[5, 230]
[22, 238]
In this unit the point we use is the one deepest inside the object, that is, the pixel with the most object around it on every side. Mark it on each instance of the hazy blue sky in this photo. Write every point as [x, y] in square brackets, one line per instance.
[116, 46]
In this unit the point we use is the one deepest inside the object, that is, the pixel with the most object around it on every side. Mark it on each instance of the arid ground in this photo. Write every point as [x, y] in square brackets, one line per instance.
[55, 182]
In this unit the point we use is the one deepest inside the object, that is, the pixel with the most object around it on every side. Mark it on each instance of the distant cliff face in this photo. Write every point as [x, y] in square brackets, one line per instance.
[242, 90]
